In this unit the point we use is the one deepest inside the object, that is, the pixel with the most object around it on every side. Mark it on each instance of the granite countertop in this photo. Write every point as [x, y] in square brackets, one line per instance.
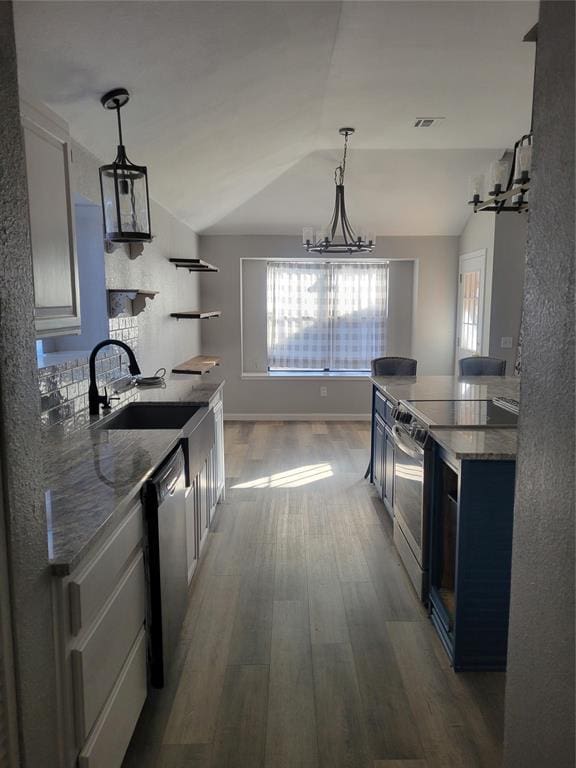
[490, 444]
[92, 475]
[477, 444]
[398, 388]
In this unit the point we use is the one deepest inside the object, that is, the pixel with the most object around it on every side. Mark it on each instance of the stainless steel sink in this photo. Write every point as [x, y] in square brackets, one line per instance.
[150, 416]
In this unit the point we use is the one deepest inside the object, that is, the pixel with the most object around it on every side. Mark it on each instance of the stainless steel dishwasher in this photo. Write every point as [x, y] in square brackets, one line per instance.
[166, 564]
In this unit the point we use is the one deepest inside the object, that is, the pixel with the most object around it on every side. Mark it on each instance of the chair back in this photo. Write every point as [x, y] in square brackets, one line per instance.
[482, 366]
[394, 366]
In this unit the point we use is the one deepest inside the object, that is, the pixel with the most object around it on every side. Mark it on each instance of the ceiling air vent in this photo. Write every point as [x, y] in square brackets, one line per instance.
[427, 122]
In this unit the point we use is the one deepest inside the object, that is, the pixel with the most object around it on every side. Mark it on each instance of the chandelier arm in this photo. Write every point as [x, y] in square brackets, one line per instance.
[345, 222]
[335, 216]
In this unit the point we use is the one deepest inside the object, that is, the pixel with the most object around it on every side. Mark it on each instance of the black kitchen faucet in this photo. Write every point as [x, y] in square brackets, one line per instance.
[95, 399]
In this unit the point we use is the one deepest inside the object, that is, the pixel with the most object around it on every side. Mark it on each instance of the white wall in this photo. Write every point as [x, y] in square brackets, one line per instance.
[433, 322]
[507, 285]
[163, 341]
[504, 239]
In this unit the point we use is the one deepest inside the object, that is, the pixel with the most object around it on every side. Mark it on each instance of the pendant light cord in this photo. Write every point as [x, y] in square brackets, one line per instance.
[117, 102]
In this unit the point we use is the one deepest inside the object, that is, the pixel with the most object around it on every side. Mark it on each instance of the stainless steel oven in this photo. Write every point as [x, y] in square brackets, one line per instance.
[411, 473]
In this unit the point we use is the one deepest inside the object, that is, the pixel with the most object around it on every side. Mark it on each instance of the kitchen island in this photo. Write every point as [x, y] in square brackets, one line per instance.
[443, 463]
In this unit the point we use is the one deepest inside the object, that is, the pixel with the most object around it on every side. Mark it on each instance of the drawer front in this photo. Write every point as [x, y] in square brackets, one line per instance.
[90, 589]
[97, 662]
[109, 740]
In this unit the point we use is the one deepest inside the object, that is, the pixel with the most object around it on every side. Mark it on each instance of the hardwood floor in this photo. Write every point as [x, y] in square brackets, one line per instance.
[304, 645]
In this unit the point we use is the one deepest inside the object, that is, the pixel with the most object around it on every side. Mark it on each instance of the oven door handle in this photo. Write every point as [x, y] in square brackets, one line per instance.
[413, 450]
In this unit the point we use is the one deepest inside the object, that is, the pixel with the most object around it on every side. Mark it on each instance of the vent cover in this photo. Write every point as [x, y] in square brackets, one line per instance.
[427, 122]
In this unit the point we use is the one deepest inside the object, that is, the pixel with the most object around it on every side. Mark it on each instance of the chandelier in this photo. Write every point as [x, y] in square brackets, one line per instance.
[509, 181]
[338, 237]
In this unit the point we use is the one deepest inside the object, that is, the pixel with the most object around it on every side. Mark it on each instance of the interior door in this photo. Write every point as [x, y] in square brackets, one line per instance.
[471, 290]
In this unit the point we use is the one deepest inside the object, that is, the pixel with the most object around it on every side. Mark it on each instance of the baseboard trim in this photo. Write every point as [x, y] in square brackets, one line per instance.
[296, 416]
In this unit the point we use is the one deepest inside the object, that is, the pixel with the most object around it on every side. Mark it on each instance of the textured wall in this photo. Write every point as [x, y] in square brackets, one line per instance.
[433, 321]
[20, 434]
[540, 680]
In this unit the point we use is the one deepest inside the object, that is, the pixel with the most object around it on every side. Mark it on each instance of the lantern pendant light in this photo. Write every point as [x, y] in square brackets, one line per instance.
[124, 187]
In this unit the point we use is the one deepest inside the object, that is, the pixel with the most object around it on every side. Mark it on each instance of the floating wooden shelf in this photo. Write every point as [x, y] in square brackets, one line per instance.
[194, 265]
[195, 314]
[127, 301]
[199, 365]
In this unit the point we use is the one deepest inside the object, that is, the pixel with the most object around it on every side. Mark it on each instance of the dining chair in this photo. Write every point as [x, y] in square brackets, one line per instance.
[482, 366]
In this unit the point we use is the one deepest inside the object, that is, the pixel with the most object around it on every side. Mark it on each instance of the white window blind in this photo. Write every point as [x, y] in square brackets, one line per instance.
[326, 316]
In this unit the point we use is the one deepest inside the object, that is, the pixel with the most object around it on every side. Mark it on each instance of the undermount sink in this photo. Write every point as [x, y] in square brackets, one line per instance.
[150, 416]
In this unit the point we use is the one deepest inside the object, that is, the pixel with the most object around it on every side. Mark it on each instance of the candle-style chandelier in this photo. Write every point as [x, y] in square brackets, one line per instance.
[509, 180]
[124, 187]
[339, 236]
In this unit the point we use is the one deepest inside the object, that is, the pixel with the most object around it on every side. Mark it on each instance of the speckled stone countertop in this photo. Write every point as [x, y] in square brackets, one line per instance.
[478, 444]
[399, 388]
[92, 475]
[469, 444]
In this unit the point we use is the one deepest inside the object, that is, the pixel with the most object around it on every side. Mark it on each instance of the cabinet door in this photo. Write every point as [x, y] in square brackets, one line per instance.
[48, 160]
[203, 511]
[191, 529]
[379, 440]
[388, 471]
[219, 449]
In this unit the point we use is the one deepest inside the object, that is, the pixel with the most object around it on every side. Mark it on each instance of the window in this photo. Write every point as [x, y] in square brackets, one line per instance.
[326, 316]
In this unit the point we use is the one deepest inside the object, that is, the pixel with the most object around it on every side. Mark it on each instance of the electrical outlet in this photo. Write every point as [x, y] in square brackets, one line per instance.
[323, 391]
[506, 342]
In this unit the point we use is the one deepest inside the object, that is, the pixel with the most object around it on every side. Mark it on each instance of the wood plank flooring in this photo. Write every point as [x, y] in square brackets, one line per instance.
[304, 645]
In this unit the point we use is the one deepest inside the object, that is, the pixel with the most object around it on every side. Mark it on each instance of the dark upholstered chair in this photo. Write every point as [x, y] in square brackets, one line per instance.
[482, 366]
[394, 366]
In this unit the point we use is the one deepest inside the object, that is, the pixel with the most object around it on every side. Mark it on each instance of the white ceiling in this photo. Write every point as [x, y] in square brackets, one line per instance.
[236, 105]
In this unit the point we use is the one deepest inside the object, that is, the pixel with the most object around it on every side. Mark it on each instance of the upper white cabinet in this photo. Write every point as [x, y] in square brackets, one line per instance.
[48, 168]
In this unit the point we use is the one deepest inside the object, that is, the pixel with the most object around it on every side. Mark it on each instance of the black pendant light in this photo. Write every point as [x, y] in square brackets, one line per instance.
[339, 237]
[124, 187]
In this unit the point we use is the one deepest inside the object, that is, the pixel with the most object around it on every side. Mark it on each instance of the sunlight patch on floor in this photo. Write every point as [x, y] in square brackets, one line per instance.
[293, 478]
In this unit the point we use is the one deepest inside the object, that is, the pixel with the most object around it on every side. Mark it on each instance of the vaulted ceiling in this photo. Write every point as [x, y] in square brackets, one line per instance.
[236, 106]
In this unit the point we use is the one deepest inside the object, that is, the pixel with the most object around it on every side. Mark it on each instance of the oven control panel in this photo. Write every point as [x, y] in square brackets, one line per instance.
[410, 425]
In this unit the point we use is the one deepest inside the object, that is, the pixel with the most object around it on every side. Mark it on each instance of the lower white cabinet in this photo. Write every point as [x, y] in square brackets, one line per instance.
[219, 449]
[98, 659]
[100, 615]
[110, 738]
[191, 530]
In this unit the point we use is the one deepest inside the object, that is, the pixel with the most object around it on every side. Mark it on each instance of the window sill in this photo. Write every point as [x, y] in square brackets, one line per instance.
[313, 376]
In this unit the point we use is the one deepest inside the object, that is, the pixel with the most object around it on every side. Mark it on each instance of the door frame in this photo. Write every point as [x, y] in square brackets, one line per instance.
[482, 329]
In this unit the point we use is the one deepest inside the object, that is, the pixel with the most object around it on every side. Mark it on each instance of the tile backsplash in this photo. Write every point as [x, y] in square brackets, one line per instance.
[64, 382]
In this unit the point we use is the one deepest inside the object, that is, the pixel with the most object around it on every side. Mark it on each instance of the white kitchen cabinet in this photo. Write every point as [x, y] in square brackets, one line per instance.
[100, 616]
[50, 199]
[99, 657]
[191, 529]
[111, 735]
[219, 449]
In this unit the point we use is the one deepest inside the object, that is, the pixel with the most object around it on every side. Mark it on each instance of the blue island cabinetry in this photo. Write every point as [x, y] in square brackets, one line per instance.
[382, 457]
[470, 558]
